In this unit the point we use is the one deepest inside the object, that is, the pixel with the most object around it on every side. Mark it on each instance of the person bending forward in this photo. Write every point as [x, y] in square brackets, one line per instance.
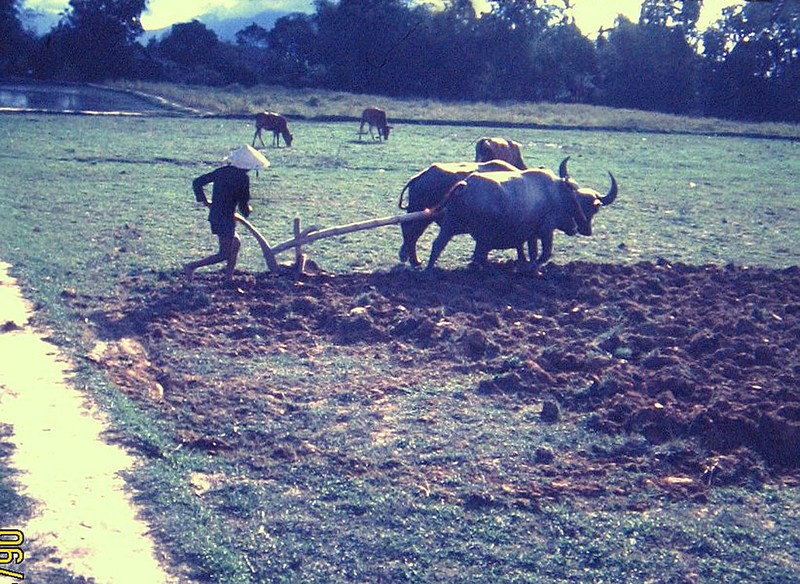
[231, 189]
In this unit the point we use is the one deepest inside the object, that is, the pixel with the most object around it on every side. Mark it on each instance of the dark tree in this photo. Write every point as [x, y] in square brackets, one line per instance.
[671, 13]
[449, 55]
[192, 53]
[122, 18]
[253, 36]
[752, 63]
[94, 40]
[565, 65]
[509, 38]
[530, 17]
[746, 66]
[15, 42]
[648, 67]
[292, 55]
[363, 43]
[192, 44]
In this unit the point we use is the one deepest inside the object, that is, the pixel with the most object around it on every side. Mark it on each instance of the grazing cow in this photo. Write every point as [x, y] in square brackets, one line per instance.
[275, 123]
[503, 210]
[499, 149]
[374, 118]
[427, 189]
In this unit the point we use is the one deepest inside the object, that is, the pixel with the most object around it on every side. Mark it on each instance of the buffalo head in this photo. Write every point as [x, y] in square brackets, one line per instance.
[589, 200]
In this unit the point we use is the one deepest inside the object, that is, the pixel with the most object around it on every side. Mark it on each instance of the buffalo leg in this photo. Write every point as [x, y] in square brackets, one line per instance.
[438, 247]
[480, 255]
[547, 248]
[533, 248]
[522, 261]
[413, 259]
[408, 251]
[412, 231]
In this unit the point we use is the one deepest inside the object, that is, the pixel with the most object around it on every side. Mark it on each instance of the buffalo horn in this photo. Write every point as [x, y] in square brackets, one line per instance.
[562, 169]
[612, 193]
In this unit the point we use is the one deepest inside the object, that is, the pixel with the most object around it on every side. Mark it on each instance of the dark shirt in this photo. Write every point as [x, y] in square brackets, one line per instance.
[231, 188]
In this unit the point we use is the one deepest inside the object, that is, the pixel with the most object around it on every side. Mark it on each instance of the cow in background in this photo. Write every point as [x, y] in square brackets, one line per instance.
[487, 149]
[275, 123]
[374, 118]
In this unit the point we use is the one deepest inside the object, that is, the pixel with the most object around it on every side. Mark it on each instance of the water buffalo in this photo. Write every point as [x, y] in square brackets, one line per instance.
[277, 124]
[499, 149]
[374, 118]
[502, 210]
[427, 189]
[589, 199]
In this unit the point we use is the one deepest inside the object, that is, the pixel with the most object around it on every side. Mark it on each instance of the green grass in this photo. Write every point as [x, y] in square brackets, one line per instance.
[319, 103]
[117, 192]
[91, 202]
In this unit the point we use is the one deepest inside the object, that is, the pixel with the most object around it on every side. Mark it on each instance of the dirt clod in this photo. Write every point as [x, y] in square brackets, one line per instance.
[669, 354]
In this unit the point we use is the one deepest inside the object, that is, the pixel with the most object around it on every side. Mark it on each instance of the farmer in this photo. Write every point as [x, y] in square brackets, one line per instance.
[231, 189]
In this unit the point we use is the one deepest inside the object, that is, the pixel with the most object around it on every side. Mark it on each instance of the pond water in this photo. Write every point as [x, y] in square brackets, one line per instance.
[75, 98]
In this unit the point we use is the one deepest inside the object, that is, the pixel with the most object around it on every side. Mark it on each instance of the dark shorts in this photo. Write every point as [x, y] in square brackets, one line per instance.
[222, 226]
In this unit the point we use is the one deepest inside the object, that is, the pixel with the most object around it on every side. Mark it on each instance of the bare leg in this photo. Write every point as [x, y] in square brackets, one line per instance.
[225, 253]
[235, 246]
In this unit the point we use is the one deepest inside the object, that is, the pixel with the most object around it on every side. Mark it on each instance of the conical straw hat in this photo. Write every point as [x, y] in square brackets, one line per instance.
[247, 158]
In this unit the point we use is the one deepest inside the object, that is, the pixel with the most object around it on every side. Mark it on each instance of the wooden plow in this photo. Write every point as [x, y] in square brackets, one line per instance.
[313, 233]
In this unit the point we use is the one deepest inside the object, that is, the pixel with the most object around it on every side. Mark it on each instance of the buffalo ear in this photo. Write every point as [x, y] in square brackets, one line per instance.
[583, 222]
[581, 219]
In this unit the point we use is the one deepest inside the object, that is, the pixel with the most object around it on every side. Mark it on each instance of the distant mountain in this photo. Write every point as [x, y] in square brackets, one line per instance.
[41, 22]
[226, 28]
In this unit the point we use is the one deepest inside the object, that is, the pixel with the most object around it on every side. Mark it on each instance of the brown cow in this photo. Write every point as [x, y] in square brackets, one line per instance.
[374, 117]
[275, 123]
[487, 149]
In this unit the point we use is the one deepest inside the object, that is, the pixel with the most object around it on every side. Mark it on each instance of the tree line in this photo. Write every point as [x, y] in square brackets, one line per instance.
[745, 66]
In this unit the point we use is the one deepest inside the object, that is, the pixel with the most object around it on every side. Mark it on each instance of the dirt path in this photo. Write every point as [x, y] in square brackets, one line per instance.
[82, 509]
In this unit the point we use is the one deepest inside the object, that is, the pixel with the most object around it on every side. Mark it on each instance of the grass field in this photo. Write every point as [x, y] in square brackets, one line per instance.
[320, 104]
[92, 204]
[688, 198]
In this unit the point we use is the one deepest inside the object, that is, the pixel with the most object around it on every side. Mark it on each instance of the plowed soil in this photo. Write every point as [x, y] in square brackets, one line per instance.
[705, 358]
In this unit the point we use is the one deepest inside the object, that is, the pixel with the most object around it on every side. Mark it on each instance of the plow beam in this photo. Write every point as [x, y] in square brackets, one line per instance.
[313, 234]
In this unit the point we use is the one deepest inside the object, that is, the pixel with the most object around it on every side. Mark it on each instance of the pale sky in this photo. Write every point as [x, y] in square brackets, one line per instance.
[589, 14]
